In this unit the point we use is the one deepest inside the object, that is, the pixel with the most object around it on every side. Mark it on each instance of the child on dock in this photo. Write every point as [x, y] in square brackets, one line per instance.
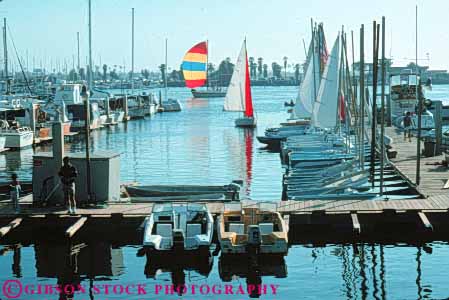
[15, 192]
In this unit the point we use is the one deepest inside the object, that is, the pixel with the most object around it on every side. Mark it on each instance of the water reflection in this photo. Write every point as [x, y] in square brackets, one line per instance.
[359, 271]
[252, 269]
[194, 267]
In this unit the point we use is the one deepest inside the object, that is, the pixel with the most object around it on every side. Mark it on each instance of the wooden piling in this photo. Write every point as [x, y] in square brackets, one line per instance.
[13, 224]
[425, 221]
[355, 223]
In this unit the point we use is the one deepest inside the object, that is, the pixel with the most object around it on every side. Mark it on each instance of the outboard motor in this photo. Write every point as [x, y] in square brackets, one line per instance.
[178, 240]
[254, 240]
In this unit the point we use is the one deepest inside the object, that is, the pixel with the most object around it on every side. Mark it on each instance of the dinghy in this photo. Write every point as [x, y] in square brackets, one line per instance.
[178, 227]
[230, 191]
[238, 96]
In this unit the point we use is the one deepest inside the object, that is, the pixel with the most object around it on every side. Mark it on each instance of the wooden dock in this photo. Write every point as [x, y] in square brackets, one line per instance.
[309, 221]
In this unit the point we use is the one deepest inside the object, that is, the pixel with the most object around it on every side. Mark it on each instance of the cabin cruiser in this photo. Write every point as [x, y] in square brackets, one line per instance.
[13, 118]
[69, 103]
[259, 228]
[403, 95]
[178, 227]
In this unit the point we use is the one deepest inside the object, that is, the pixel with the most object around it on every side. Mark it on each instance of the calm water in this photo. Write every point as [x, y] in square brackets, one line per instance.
[331, 272]
[200, 145]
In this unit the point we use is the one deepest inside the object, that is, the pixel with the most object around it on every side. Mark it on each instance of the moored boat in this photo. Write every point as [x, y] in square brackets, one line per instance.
[257, 229]
[238, 96]
[178, 227]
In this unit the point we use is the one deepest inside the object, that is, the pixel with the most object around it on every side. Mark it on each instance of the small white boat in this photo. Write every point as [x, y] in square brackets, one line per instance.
[238, 96]
[178, 227]
[170, 105]
[260, 229]
[16, 138]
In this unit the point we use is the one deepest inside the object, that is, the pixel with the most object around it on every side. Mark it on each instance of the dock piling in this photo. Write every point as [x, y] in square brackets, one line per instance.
[355, 223]
[72, 230]
[13, 224]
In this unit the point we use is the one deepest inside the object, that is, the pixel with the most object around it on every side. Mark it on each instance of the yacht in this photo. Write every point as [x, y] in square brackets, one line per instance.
[403, 97]
[13, 117]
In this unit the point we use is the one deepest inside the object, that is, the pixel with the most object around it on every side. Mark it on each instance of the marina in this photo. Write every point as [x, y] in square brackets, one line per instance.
[323, 176]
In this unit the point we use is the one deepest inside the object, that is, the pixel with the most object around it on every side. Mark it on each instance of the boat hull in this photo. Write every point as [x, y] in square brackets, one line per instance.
[208, 94]
[246, 122]
[17, 139]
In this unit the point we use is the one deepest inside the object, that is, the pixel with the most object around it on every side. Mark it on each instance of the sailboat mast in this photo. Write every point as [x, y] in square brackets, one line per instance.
[5, 53]
[313, 61]
[90, 47]
[132, 50]
[78, 49]
[165, 77]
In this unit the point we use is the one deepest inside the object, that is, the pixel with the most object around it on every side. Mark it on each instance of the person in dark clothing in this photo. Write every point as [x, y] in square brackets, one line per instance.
[68, 173]
[408, 126]
[15, 192]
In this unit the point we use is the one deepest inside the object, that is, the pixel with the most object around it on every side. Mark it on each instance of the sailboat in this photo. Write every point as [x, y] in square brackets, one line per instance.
[196, 72]
[168, 104]
[238, 96]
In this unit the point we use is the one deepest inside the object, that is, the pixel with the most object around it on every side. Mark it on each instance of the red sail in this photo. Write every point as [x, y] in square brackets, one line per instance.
[248, 98]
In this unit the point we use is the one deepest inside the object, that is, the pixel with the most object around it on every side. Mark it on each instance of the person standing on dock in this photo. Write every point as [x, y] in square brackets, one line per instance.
[68, 173]
[15, 192]
[408, 126]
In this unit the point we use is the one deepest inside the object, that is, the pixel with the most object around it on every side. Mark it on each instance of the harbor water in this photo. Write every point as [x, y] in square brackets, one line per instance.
[200, 145]
[331, 272]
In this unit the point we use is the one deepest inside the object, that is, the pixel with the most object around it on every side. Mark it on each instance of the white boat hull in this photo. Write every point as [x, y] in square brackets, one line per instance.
[17, 139]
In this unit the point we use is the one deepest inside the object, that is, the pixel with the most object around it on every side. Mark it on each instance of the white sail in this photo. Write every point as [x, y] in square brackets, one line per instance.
[325, 108]
[235, 96]
[309, 86]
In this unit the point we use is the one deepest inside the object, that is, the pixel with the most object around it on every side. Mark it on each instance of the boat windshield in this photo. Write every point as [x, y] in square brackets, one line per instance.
[196, 207]
[160, 207]
[232, 206]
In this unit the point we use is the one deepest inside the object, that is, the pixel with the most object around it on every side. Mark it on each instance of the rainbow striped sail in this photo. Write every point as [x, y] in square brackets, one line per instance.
[194, 66]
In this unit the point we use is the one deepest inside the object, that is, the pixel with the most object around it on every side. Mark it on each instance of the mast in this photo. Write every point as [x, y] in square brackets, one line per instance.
[5, 51]
[248, 97]
[78, 43]
[165, 79]
[313, 61]
[419, 100]
[132, 51]
[362, 96]
[382, 120]
[87, 109]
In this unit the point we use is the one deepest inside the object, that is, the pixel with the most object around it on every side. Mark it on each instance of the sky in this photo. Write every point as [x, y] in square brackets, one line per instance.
[44, 31]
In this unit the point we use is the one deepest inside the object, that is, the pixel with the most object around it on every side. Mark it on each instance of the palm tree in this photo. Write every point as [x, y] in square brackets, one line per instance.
[285, 66]
[265, 71]
[251, 66]
[260, 66]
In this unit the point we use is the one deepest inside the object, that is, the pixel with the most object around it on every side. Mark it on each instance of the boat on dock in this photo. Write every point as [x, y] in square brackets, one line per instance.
[238, 97]
[178, 227]
[256, 229]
